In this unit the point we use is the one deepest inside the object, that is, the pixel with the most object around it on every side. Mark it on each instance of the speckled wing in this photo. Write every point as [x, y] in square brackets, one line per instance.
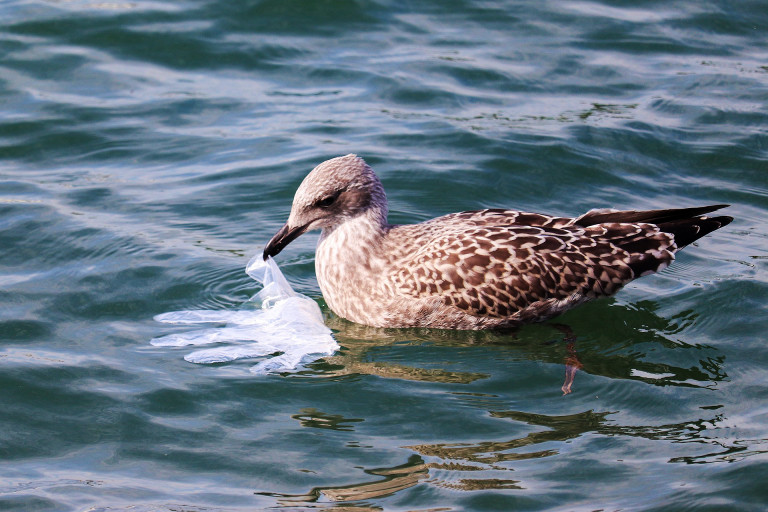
[522, 266]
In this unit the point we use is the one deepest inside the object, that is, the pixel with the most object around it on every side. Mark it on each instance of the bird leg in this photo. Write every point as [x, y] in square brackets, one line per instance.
[572, 363]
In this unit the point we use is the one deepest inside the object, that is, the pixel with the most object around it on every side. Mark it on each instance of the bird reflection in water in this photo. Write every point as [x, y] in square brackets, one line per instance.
[389, 481]
[360, 340]
[626, 346]
[619, 350]
[483, 465]
[497, 455]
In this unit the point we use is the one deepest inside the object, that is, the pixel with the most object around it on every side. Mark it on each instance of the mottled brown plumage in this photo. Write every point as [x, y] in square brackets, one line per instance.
[472, 270]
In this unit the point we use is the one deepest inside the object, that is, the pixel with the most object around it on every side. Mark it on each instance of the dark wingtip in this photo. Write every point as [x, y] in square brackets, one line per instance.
[650, 216]
[714, 207]
[687, 231]
[725, 220]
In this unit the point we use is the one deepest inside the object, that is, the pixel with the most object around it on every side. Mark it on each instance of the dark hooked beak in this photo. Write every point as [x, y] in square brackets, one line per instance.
[286, 235]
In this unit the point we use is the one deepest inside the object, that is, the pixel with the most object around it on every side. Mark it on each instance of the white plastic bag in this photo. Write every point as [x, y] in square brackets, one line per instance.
[287, 326]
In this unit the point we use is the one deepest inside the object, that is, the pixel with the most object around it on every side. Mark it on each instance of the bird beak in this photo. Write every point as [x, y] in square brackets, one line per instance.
[286, 235]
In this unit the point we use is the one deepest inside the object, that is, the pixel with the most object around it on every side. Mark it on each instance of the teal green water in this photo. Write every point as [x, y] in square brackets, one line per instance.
[149, 148]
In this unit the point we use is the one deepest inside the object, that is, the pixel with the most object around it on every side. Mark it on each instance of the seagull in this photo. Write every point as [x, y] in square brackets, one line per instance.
[484, 269]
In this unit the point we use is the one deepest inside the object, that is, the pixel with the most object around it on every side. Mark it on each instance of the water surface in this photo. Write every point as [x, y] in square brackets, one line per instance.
[149, 148]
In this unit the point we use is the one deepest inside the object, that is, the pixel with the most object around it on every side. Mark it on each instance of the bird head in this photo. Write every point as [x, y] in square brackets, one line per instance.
[332, 193]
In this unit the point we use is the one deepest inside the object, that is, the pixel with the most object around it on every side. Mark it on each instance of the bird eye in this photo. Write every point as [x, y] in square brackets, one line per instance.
[326, 201]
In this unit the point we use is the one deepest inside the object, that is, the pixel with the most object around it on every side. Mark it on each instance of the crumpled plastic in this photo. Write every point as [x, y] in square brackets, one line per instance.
[277, 323]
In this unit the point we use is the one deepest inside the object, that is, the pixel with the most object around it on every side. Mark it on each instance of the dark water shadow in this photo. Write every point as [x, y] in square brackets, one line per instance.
[626, 342]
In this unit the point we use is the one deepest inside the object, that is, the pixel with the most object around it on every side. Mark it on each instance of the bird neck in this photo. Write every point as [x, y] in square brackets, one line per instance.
[349, 263]
[355, 234]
